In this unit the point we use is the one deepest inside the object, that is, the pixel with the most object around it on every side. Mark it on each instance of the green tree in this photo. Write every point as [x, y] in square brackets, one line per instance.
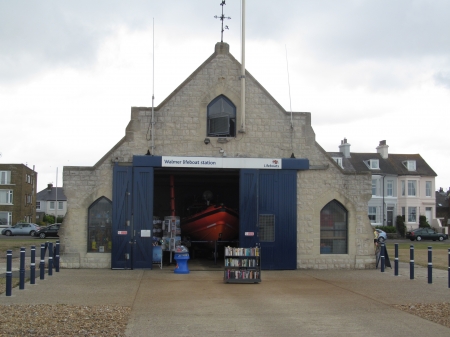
[401, 228]
[423, 223]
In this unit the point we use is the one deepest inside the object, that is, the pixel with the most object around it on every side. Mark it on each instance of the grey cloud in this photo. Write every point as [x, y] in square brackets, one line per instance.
[443, 78]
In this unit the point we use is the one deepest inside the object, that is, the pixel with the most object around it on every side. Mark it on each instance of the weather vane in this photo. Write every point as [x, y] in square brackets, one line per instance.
[222, 17]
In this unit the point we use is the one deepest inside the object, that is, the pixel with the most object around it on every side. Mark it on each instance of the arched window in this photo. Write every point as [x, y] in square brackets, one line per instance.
[221, 118]
[333, 229]
[99, 226]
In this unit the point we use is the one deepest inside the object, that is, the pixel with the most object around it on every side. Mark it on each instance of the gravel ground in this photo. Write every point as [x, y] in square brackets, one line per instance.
[63, 320]
[436, 312]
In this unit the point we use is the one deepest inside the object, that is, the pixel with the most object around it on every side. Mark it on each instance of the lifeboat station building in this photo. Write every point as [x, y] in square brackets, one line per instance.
[222, 132]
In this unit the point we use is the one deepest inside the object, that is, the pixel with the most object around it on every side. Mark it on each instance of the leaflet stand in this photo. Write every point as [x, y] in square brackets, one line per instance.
[157, 256]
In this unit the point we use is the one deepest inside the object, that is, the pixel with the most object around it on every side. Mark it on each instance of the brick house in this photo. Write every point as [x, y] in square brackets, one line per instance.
[17, 194]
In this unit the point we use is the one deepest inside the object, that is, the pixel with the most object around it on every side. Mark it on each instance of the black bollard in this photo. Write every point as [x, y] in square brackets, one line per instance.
[396, 260]
[411, 262]
[430, 264]
[383, 261]
[22, 269]
[57, 256]
[33, 265]
[9, 272]
[42, 263]
[50, 258]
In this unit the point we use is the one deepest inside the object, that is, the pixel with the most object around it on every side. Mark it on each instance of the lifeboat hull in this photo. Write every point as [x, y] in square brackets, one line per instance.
[213, 223]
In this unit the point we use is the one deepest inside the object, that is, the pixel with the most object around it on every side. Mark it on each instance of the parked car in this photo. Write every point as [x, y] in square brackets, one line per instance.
[51, 230]
[382, 236]
[425, 234]
[21, 229]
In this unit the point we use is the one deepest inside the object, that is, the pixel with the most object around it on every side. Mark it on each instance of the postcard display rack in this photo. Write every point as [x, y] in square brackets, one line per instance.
[171, 234]
[242, 265]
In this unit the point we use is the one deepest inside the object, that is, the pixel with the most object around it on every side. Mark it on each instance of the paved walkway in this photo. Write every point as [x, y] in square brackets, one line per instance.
[286, 303]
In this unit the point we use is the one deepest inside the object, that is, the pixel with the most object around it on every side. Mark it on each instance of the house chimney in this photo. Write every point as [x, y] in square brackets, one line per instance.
[382, 149]
[345, 148]
[49, 187]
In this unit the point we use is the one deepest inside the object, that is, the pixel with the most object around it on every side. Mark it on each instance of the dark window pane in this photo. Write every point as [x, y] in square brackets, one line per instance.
[99, 226]
[333, 229]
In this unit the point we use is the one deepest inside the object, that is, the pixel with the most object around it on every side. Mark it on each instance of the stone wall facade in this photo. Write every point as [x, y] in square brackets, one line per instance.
[270, 132]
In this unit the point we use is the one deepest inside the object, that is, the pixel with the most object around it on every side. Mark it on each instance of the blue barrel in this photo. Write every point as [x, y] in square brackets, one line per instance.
[182, 267]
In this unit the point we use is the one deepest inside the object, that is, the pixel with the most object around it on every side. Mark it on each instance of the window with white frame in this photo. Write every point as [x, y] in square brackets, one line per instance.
[38, 205]
[373, 214]
[6, 196]
[374, 186]
[390, 188]
[412, 214]
[5, 218]
[412, 188]
[374, 164]
[428, 188]
[338, 160]
[403, 188]
[5, 177]
[410, 165]
[51, 205]
[60, 205]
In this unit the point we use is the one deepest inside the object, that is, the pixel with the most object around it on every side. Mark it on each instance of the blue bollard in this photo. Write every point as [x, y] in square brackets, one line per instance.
[57, 256]
[430, 264]
[22, 269]
[42, 263]
[411, 262]
[33, 265]
[383, 259]
[50, 258]
[396, 260]
[9, 272]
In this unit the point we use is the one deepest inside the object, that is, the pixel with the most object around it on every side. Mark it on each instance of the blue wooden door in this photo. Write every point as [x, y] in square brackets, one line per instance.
[268, 207]
[121, 222]
[142, 217]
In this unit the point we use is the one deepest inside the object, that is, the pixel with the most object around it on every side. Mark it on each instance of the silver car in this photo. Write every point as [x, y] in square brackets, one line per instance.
[21, 229]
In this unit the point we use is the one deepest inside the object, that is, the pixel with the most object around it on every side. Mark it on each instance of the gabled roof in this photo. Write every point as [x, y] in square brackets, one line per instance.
[393, 165]
[50, 194]
[422, 168]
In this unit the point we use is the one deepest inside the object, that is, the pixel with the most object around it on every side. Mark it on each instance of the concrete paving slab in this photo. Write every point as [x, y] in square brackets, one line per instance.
[285, 303]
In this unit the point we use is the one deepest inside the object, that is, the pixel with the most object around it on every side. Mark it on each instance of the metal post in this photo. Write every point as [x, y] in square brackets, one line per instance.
[449, 267]
[57, 256]
[430, 264]
[33, 265]
[411, 262]
[50, 258]
[42, 263]
[382, 257]
[215, 252]
[9, 272]
[396, 260]
[22, 269]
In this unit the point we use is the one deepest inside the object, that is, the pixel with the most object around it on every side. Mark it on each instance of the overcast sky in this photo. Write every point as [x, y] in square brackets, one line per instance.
[367, 70]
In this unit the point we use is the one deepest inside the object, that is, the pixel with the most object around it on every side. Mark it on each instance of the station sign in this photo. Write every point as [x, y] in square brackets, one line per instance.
[228, 163]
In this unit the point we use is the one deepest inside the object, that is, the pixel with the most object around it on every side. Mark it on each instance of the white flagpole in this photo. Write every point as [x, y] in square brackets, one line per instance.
[56, 197]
